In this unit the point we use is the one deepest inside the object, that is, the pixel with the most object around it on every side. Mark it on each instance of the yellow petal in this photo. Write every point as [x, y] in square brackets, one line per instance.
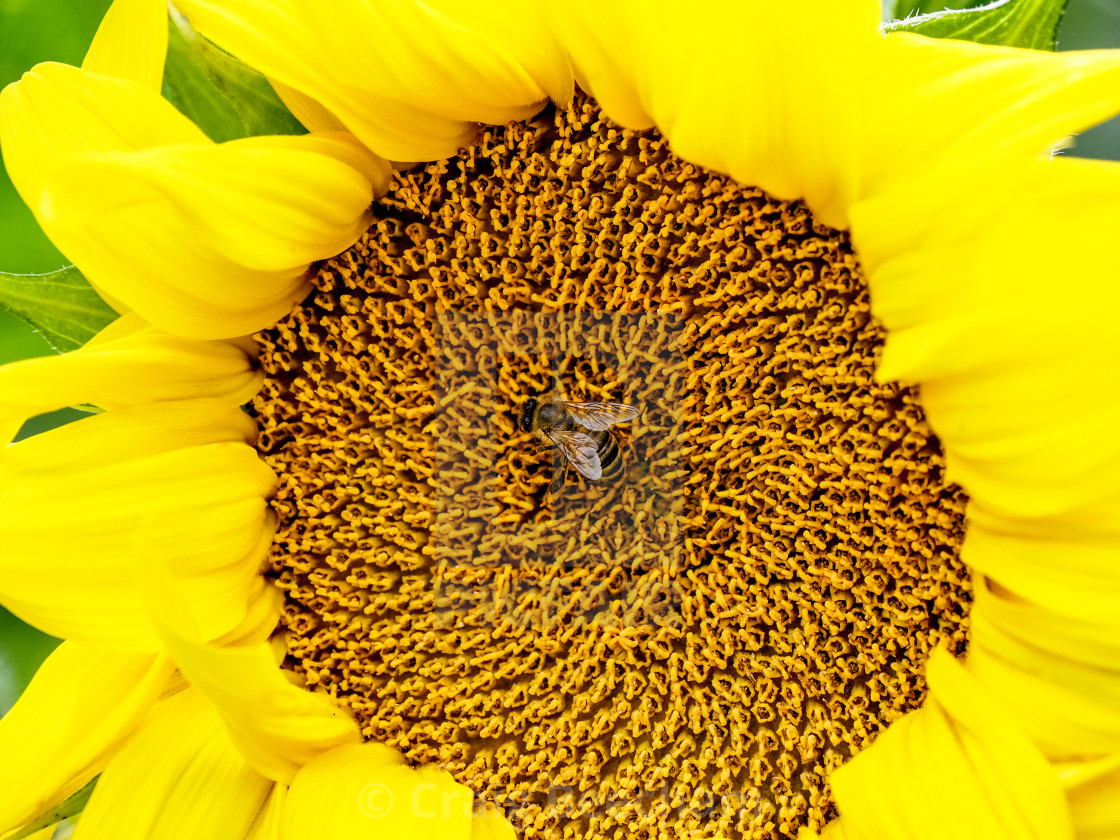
[130, 433]
[83, 508]
[146, 366]
[267, 824]
[271, 204]
[265, 602]
[43, 834]
[489, 824]
[82, 703]
[1094, 790]
[756, 96]
[1057, 675]
[1072, 655]
[131, 43]
[604, 42]
[229, 229]
[339, 145]
[1011, 342]
[128, 325]
[366, 790]
[9, 428]
[177, 777]
[1071, 571]
[312, 115]
[1005, 101]
[129, 193]
[1063, 723]
[56, 114]
[408, 79]
[956, 768]
[276, 725]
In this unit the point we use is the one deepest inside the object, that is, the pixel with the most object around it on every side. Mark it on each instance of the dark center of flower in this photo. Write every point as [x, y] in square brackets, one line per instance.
[693, 644]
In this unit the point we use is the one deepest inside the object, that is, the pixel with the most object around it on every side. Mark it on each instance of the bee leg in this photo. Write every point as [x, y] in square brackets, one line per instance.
[559, 467]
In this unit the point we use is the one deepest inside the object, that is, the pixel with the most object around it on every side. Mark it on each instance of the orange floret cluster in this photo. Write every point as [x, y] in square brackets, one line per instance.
[684, 652]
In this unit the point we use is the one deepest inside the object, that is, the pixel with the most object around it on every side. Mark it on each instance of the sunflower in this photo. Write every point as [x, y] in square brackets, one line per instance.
[820, 261]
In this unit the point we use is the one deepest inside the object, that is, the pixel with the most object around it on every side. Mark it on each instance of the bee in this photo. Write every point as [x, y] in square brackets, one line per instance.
[579, 433]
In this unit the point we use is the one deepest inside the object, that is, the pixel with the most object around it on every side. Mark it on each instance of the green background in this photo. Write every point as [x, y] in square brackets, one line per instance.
[32, 31]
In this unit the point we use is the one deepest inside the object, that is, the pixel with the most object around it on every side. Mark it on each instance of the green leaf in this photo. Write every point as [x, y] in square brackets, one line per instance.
[1032, 24]
[69, 807]
[53, 420]
[61, 305]
[906, 8]
[187, 86]
[219, 92]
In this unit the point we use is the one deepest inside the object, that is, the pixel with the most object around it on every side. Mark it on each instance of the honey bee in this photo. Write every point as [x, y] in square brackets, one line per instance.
[579, 433]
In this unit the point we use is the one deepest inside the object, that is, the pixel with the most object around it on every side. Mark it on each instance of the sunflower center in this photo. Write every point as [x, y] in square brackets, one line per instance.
[689, 646]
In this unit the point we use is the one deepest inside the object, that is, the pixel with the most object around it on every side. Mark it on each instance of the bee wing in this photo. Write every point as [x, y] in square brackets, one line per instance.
[600, 416]
[580, 451]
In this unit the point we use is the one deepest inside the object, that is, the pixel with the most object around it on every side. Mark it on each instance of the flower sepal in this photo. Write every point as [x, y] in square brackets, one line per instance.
[71, 806]
[1030, 24]
[223, 96]
[61, 305]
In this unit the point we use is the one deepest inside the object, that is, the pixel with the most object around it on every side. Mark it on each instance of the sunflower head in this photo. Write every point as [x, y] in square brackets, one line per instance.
[695, 642]
[691, 623]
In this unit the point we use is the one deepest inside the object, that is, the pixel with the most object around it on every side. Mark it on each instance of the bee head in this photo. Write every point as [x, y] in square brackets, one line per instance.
[525, 421]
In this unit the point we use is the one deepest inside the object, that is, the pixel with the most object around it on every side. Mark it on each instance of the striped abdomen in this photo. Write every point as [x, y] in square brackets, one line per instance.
[610, 458]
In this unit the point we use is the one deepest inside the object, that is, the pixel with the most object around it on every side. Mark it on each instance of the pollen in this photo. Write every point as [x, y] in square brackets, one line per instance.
[685, 651]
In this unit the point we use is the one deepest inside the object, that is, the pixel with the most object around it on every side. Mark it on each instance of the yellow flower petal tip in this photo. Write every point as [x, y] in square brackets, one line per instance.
[131, 43]
[367, 790]
[767, 93]
[141, 365]
[410, 80]
[277, 726]
[129, 189]
[959, 749]
[80, 706]
[178, 777]
[490, 824]
[1012, 416]
[173, 482]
